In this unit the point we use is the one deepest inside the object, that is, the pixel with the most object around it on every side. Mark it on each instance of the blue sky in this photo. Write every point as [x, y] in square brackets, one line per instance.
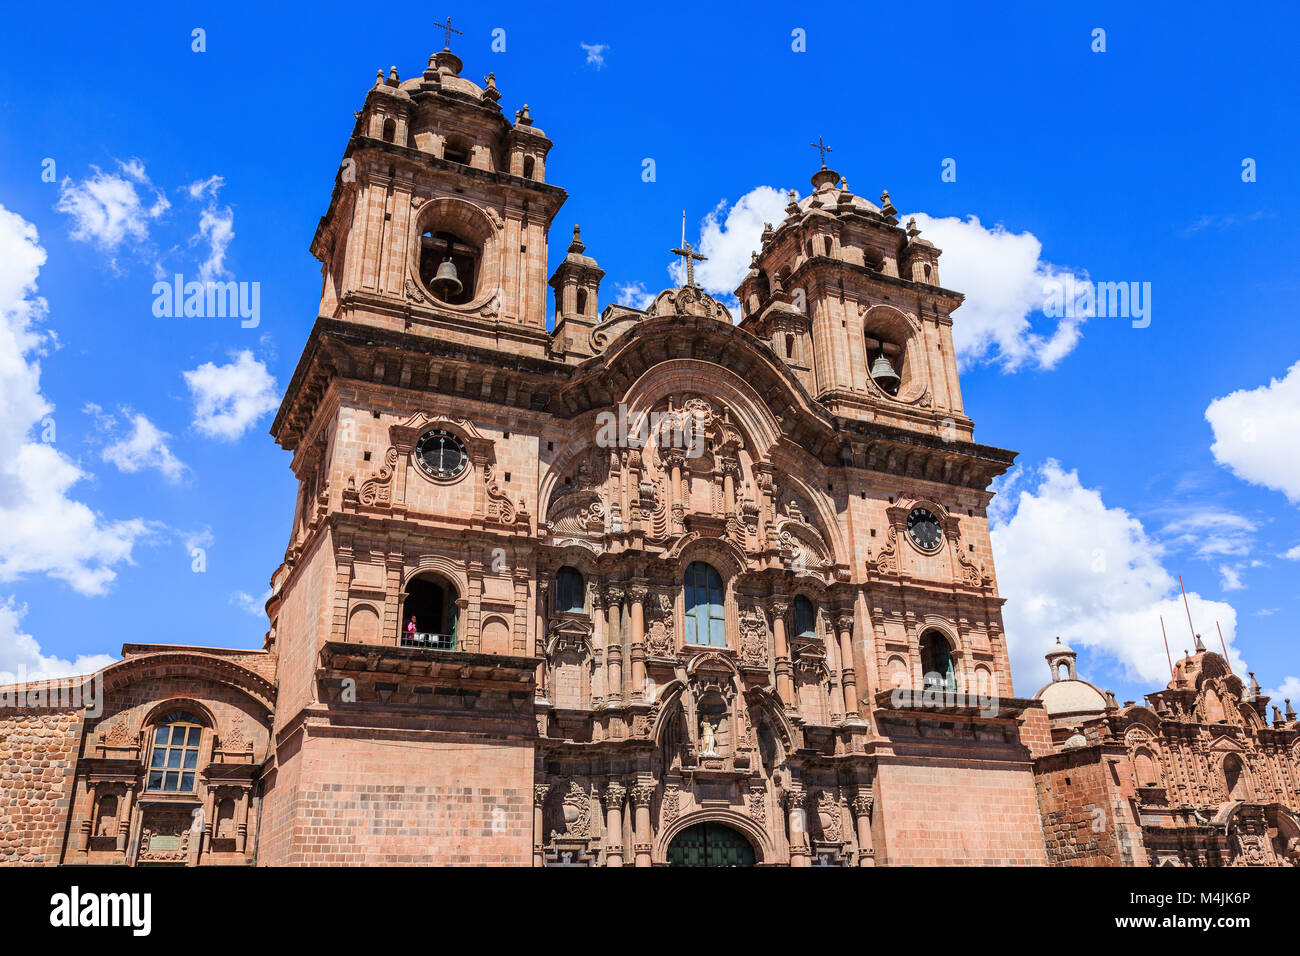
[1123, 165]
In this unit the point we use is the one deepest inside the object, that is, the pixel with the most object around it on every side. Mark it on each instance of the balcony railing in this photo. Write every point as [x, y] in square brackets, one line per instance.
[429, 640]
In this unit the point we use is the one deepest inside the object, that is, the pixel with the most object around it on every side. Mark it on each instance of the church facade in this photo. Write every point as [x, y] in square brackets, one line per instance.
[651, 587]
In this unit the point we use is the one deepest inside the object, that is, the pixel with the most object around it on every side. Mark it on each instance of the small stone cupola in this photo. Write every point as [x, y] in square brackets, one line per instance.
[1062, 656]
[576, 282]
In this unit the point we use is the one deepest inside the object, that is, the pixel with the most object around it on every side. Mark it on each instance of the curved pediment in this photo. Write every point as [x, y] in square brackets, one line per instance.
[193, 663]
[705, 342]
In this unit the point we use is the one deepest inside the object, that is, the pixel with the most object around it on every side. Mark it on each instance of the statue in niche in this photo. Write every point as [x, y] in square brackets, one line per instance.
[707, 738]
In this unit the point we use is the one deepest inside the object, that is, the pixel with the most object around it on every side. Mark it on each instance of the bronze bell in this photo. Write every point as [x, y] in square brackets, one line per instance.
[883, 374]
[446, 283]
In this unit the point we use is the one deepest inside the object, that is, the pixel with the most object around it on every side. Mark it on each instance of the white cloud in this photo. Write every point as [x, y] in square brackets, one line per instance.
[635, 295]
[251, 605]
[1071, 566]
[1005, 280]
[42, 529]
[145, 446]
[1289, 689]
[595, 53]
[107, 209]
[1257, 433]
[21, 658]
[728, 236]
[209, 187]
[197, 539]
[216, 227]
[1211, 532]
[229, 399]
[1293, 554]
[1230, 577]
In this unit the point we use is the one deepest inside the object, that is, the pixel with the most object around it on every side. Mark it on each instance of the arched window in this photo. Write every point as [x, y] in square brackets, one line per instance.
[582, 302]
[530, 165]
[936, 662]
[174, 761]
[705, 621]
[569, 597]
[449, 266]
[390, 130]
[429, 604]
[805, 618]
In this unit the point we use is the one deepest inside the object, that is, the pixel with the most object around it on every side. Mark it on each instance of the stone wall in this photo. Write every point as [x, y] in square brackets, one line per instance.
[389, 800]
[38, 754]
[935, 811]
[1086, 820]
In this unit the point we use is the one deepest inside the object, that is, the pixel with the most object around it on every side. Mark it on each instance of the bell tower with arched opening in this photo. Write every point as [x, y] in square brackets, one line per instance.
[851, 301]
[439, 216]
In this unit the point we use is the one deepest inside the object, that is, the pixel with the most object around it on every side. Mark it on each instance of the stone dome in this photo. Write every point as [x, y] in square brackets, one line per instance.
[1071, 697]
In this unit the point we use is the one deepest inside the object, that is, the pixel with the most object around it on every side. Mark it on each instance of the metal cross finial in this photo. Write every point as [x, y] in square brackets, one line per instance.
[691, 256]
[821, 148]
[447, 30]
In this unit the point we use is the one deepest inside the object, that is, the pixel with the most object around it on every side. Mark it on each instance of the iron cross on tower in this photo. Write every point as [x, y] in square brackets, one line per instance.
[447, 30]
[822, 148]
[689, 254]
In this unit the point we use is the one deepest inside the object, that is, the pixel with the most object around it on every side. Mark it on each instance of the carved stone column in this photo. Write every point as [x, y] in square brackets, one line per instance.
[636, 598]
[862, 806]
[540, 793]
[241, 814]
[797, 827]
[642, 794]
[614, 642]
[613, 796]
[539, 643]
[124, 816]
[674, 460]
[599, 640]
[852, 705]
[88, 824]
[729, 466]
[784, 670]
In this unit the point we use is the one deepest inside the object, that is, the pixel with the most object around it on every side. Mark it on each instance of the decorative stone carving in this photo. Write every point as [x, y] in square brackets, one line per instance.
[758, 805]
[670, 807]
[377, 489]
[753, 637]
[499, 507]
[165, 836]
[659, 625]
[576, 809]
[830, 817]
[885, 560]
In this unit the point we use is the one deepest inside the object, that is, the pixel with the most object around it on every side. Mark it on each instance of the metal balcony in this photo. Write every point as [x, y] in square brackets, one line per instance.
[429, 641]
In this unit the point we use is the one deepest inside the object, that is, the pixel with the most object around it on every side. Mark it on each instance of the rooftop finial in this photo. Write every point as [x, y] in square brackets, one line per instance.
[447, 30]
[687, 252]
[822, 149]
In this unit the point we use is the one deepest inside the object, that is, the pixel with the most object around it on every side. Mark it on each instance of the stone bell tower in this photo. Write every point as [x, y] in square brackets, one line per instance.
[440, 213]
[852, 302]
[403, 612]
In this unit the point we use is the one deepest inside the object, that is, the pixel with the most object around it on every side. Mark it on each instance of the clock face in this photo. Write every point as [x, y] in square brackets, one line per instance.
[441, 454]
[923, 528]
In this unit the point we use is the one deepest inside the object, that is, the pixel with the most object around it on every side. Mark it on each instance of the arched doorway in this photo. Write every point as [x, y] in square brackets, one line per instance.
[710, 844]
[432, 604]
